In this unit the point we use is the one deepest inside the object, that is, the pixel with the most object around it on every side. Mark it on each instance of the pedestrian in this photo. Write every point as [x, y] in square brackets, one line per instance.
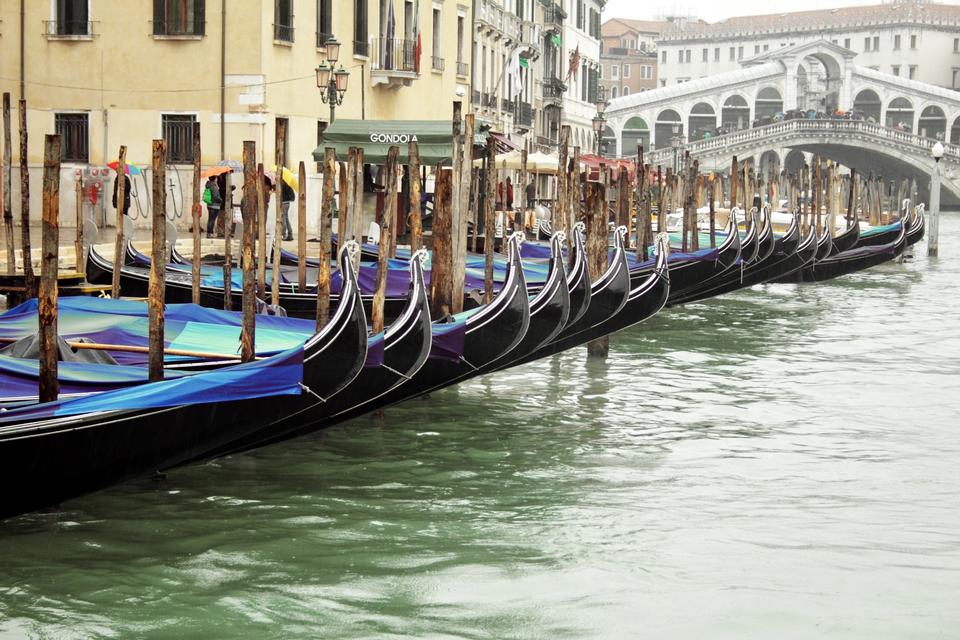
[213, 199]
[509, 194]
[126, 196]
[287, 196]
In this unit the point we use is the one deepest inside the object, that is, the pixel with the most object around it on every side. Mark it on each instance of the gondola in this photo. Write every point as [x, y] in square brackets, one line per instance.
[917, 227]
[856, 259]
[846, 240]
[54, 451]
[878, 235]
[749, 250]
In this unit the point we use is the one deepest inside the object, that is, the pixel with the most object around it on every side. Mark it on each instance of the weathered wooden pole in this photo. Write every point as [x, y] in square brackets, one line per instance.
[661, 215]
[519, 218]
[805, 194]
[624, 194]
[595, 214]
[413, 168]
[461, 217]
[261, 233]
[302, 228]
[830, 214]
[340, 179]
[851, 199]
[358, 195]
[574, 181]
[158, 262]
[694, 228]
[118, 247]
[712, 191]
[197, 213]
[78, 241]
[326, 222]
[347, 203]
[489, 220]
[638, 199]
[7, 187]
[248, 211]
[49, 385]
[386, 233]
[559, 221]
[734, 187]
[441, 271]
[816, 185]
[29, 281]
[279, 138]
[227, 214]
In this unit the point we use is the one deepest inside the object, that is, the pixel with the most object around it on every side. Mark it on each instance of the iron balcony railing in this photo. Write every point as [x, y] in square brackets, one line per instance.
[394, 54]
[322, 39]
[283, 32]
[361, 48]
[553, 88]
[523, 116]
[463, 69]
[553, 14]
[436, 63]
[54, 28]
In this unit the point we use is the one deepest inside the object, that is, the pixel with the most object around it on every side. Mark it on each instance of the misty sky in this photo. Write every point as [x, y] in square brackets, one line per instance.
[712, 11]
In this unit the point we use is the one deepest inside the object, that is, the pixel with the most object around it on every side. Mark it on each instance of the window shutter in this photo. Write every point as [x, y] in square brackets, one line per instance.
[199, 17]
[158, 18]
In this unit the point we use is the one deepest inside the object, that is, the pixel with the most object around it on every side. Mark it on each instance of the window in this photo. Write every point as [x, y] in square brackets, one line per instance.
[680, 55]
[682, 80]
[756, 49]
[833, 42]
[913, 42]
[583, 83]
[956, 72]
[733, 53]
[361, 46]
[846, 43]
[178, 137]
[913, 71]
[895, 69]
[646, 72]
[324, 22]
[866, 44]
[739, 53]
[613, 92]
[663, 56]
[896, 42]
[436, 62]
[716, 54]
[688, 55]
[284, 125]
[73, 129]
[705, 55]
[283, 20]
[461, 19]
[71, 18]
[663, 82]
[956, 45]
[614, 71]
[626, 71]
[520, 13]
[601, 71]
[625, 92]
[766, 47]
[580, 17]
[178, 17]
[876, 43]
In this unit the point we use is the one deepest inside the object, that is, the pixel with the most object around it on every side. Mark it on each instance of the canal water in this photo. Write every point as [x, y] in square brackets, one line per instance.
[778, 463]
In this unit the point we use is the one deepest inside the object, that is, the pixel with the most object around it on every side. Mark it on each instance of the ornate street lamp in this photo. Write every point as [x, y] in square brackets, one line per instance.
[332, 84]
[933, 242]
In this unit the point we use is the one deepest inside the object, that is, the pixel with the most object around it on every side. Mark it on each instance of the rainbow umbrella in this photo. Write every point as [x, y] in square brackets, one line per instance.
[131, 170]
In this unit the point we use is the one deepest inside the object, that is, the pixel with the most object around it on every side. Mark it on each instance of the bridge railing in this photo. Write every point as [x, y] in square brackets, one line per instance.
[730, 141]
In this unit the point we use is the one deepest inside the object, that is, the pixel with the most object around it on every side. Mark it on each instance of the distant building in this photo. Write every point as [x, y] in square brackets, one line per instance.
[916, 39]
[628, 57]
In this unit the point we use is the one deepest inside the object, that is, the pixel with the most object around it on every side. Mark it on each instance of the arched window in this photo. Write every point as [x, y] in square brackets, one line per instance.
[933, 123]
[635, 132]
[702, 121]
[668, 125]
[867, 103]
[900, 114]
[613, 92]
[735, 114]
[768, 104]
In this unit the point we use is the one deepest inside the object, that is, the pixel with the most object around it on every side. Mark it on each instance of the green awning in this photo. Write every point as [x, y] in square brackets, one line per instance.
[375, 137]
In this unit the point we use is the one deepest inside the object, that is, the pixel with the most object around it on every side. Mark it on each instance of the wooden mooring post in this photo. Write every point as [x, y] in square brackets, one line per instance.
[158, 262]
[595, 214]
[7, 187]
[489, 220]
[441, 272]
[78, 241]
[261, 233]
[386, 234]
[29, 281]
[227, 214]
[302, 228]
[851, 198]
[413, 170]
[49, 385]
[279, 138]
[248, 211]
[197, 214]
[559, 221]
[326, 232]
[118, 247]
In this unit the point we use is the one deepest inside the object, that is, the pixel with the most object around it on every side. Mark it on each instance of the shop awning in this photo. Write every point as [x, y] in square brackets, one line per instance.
[375, 137]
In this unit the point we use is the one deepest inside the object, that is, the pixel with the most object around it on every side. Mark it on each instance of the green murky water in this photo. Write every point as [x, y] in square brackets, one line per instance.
[779, 463]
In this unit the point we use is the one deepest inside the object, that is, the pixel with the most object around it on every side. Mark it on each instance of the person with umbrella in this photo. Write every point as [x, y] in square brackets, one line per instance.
[213, 199]
[127, 188]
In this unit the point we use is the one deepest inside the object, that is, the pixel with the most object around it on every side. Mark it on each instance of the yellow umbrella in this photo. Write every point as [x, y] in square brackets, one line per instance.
[287, 175]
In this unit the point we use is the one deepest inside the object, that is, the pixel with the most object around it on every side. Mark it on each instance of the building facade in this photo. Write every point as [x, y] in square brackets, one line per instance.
[105, 73]
[628, 57]
[916, 39]
[581, 58]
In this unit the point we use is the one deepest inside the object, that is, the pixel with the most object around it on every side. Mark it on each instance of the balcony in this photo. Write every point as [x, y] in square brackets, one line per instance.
[553, 16]
[436, 63]
[476, 98]
[523, 116]
[322, 39]
[553, 90]
[529, 39]
[463, 70]
[68, 29]
[283, 33]
[507, 105]
[361, 48]
[394, 63]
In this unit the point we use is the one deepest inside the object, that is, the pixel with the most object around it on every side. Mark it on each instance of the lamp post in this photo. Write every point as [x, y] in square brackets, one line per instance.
[599, 122]
[932, 240]
[332, 83]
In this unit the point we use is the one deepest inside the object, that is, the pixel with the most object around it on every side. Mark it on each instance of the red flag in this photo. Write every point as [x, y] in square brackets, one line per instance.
[574, 62]
[417, 51]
